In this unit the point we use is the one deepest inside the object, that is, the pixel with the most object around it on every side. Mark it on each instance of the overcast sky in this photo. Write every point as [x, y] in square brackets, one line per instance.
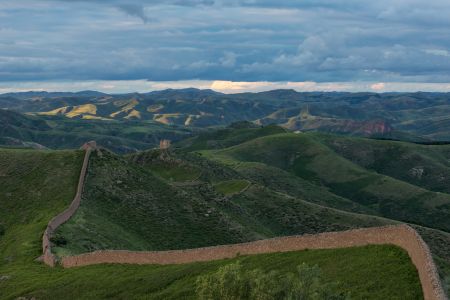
[233, 45]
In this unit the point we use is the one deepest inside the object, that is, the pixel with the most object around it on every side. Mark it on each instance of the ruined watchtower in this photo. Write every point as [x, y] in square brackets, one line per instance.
[164, 144]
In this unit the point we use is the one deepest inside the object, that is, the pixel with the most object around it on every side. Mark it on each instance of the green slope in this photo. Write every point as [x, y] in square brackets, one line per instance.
[305, 157]
[427, 166]
[125, 206]
[36, 185]
[234, 134]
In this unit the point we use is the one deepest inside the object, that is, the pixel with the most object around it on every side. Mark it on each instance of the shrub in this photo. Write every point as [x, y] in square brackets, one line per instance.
[58, 240]
[231, 282]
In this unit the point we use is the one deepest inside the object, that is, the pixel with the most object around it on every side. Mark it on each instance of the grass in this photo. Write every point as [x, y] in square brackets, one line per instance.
[366, 272]
[353, 174]
[426, 166]
[165, 166]
[147, 211]
[227, 137]
[36, 185]
[231, 187]
[125, 206]
[303, 156]
[175, 173]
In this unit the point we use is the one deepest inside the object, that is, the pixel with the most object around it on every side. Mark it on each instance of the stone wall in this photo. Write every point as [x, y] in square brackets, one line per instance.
[399, 235]
[47, 256]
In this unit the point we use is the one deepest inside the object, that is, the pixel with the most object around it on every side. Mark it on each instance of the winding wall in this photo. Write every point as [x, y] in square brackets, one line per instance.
[47, 256]
[400, 235]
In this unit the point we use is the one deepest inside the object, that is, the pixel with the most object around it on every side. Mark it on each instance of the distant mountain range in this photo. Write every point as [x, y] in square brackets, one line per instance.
[403, 116]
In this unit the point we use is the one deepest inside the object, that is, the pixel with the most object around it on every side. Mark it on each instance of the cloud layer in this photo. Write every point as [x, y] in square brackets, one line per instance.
[237, 40]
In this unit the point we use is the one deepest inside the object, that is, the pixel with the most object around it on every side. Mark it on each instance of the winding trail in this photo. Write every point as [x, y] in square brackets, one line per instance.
[400, 235]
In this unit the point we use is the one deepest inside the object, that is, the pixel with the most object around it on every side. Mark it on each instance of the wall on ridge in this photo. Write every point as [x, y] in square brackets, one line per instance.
[399, 235]
[47, 256]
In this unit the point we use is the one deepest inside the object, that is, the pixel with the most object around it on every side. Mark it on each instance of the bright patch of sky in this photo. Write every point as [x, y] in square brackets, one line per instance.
[237, 45]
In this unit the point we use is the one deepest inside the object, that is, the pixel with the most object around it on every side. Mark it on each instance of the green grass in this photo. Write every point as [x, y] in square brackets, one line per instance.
[366, 272]
[37, 185]
[227, 137]
[426, 166]
[231, 187]
[125, 206]
[175, 173]
[149, 213]
[310, 160]
[165, 166]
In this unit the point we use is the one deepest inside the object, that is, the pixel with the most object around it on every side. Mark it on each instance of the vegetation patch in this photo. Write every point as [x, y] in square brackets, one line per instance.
[231, 187]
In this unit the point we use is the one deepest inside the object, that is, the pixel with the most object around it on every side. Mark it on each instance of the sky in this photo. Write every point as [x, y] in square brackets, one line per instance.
[230, 46]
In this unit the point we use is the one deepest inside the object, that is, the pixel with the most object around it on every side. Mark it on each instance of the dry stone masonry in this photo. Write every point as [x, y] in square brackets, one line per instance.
[400, 235]
[47, 256]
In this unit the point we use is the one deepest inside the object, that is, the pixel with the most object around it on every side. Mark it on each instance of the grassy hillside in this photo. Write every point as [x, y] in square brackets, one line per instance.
[427, 166]
[304, 157]
[36, 185]
[125, 206]
[233, 135]
[351, 174]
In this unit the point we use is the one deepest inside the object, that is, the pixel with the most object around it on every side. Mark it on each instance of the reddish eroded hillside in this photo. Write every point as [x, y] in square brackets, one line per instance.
[364, 128]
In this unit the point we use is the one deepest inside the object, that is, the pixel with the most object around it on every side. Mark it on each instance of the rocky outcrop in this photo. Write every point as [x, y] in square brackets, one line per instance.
[362, 128]
[47, 256]
[399, 235]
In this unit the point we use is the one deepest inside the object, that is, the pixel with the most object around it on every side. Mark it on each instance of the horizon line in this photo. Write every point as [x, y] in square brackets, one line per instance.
[220, 86]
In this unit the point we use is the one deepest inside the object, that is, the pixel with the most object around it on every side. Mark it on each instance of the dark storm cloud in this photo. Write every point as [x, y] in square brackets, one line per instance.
[238, 40]
[134, 10]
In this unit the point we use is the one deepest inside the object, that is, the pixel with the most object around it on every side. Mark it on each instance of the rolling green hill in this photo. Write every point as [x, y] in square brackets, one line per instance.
[306, 158]
[19, 130]
[427, 166]
[406, 116]
[129, 205]
[352, 174]
[37, 185]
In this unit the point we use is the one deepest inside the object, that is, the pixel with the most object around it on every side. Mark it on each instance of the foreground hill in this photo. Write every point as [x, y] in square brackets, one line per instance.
[303, 156]
[367, 176]
[138, 206]
[243, 192]
[36, 185]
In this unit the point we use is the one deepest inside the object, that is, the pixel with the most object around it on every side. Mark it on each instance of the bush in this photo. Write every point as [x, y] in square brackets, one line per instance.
[58, 240]
[231, 282]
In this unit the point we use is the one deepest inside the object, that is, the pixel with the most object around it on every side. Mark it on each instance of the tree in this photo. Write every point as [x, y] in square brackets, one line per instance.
[231, 282]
